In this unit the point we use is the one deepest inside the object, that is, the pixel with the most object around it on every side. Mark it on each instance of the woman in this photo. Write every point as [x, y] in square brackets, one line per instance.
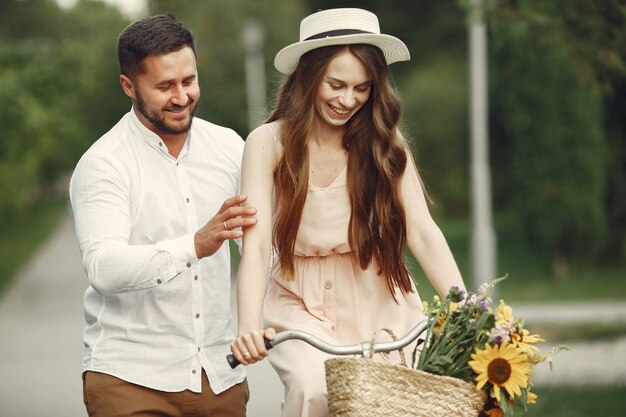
[345, 200]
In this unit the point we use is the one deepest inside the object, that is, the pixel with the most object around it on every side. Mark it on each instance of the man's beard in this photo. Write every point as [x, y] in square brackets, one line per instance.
[154, 117]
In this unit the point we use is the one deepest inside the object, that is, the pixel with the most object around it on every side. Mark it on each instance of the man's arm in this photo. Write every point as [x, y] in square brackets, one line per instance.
[100, 201]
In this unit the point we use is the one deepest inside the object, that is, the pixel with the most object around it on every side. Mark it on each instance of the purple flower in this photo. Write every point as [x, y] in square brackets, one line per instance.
[456, 294]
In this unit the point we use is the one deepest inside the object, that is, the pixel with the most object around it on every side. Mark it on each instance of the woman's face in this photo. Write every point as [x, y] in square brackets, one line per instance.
[343, 90]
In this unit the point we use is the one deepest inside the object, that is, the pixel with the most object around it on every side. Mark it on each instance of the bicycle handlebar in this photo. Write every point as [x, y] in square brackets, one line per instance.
[362, 348]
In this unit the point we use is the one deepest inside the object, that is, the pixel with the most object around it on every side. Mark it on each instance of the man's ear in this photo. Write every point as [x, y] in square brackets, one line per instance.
[127, 86]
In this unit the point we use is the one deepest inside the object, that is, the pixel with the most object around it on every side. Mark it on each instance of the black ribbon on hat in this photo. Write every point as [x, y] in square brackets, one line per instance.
[338, 32]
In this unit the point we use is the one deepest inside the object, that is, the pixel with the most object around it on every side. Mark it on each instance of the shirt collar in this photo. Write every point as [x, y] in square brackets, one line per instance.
[153, 139]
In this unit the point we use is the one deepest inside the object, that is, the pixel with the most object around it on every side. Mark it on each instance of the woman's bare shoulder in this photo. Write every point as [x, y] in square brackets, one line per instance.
[265, 132]
[266, 136]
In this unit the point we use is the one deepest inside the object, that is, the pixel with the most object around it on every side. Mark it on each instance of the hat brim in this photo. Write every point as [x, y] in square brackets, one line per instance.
[393, 48]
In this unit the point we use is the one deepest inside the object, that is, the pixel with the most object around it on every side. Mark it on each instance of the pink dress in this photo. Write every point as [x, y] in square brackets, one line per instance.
[331, 298]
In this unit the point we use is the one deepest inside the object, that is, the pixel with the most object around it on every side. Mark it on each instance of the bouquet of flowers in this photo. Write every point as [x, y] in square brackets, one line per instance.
[467, 339]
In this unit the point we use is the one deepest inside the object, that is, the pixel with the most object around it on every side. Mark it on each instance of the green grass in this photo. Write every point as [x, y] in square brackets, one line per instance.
[564, 333]
[20, 237]
[529, 280]
[578, 402]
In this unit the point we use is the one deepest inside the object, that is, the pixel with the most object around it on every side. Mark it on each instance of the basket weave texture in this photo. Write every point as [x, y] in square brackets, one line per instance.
[365, 388]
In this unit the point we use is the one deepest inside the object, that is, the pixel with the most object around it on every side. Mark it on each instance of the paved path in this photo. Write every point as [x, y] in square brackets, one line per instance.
[607, 312]
[41, 323]
[41, 320]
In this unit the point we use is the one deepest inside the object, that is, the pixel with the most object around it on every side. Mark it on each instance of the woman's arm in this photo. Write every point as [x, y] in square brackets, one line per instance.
[257, 167]
[425, 240]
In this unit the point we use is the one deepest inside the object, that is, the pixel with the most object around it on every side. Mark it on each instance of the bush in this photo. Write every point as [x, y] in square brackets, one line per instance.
[552, 148]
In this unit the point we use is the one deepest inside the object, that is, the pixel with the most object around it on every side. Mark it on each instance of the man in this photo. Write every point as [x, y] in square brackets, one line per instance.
[153, 205]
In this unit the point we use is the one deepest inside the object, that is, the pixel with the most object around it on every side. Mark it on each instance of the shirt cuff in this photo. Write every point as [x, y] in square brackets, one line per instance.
[182, 252]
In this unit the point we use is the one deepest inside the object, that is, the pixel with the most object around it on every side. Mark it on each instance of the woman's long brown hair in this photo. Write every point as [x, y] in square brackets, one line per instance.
[376, 161]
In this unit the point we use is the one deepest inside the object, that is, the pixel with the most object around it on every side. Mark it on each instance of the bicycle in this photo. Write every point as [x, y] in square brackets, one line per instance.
[363, 348]
[368, 388]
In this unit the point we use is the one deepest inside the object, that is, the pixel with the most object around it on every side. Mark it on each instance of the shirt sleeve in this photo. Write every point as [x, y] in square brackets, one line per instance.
[100, 198]
[239, 241]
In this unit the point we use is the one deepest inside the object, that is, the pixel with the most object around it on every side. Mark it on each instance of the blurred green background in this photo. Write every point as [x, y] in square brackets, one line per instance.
[557, 121]
[557, 103]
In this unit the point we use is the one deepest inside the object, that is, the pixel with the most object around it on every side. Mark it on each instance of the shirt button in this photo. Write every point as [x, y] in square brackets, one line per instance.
[187, 200]
[198, 348]
[328, 285]
[193, 371]
[158, 281]
[197, 315]
[188, 264]
[195, 278]
[160, 143]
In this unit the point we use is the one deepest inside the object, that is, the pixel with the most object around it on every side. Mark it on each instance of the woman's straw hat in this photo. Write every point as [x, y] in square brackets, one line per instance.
[339, 27]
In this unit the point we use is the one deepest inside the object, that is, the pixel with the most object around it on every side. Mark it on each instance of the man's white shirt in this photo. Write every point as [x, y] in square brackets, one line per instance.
[155, 314]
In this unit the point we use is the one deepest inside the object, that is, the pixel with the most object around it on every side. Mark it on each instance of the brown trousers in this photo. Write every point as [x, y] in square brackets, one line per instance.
[107, 396]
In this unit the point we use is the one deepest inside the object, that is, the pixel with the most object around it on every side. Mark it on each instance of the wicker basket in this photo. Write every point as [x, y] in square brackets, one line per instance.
[361, 387]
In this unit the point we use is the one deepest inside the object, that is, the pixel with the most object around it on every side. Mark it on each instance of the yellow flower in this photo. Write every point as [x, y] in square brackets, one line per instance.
[504, 313]
[504, 366]
[443, 315]
[494, 412]
[531, 397]
[525, 341]
[436, 301]
[440, 320]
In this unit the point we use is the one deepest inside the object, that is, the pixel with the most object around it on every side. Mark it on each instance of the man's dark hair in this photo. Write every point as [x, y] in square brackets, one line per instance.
[152, 35]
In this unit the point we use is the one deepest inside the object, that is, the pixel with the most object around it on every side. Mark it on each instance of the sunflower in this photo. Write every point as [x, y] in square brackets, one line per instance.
[440, 320]
[531, 397]
[525, 341]
[504, 366]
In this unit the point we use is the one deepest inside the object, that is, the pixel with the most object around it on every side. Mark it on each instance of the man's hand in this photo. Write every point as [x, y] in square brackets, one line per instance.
[226, 224]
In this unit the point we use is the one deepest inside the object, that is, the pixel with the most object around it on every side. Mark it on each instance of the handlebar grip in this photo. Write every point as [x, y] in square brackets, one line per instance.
[233, 362]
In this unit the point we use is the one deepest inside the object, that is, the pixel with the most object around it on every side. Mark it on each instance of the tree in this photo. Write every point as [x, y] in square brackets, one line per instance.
[50, 63]
[217, 27]
[551, 142]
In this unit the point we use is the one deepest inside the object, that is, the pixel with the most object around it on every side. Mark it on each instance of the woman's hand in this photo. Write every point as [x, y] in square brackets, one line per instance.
[250, 348]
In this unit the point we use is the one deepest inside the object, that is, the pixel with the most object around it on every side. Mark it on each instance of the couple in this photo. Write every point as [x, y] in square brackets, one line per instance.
[330, 197]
